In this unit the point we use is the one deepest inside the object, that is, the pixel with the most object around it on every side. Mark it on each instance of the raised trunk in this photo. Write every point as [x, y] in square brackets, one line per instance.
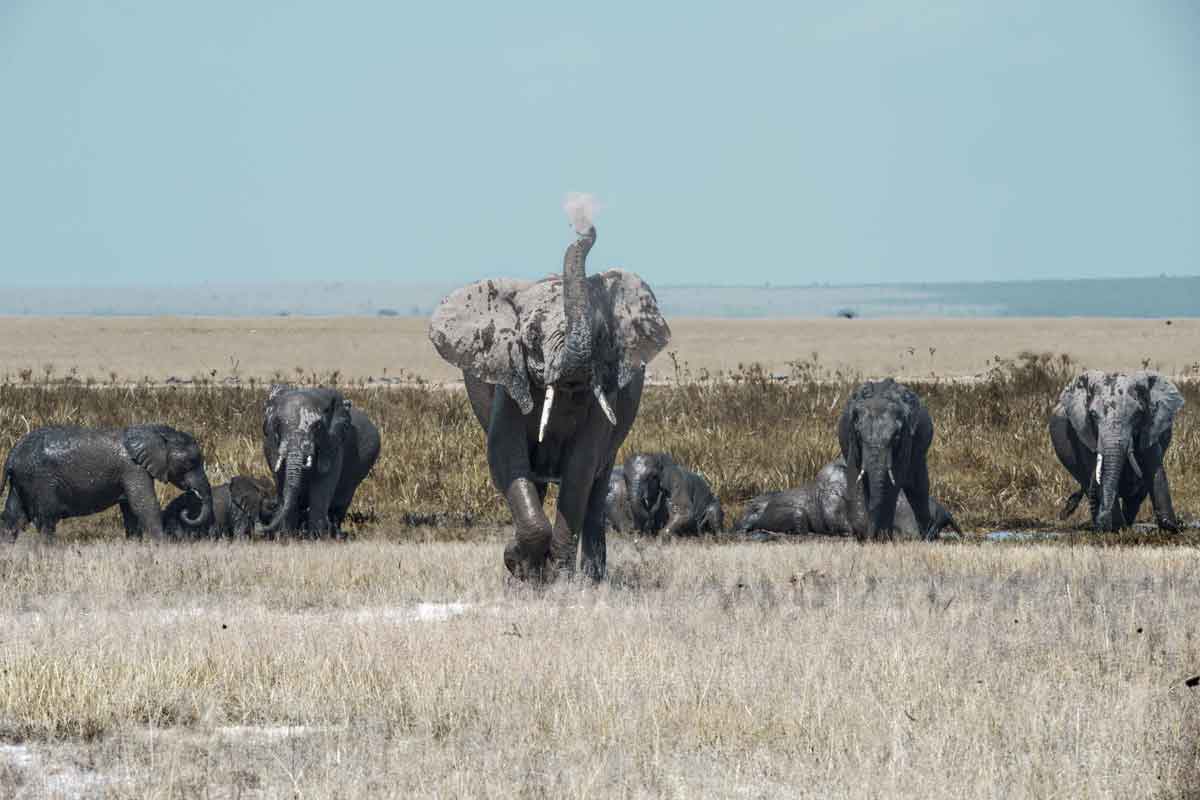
[576, 365]
[293, 478]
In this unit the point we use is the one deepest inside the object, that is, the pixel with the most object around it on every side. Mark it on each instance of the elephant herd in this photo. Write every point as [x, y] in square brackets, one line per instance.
[317, 446]
[554, 371]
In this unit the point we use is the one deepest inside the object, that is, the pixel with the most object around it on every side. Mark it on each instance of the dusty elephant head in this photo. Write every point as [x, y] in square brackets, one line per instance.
[647, 494]
[883, 432]
[303, 435]
[255, 499]
[570, 333]
[1116, 416]
[173, 457]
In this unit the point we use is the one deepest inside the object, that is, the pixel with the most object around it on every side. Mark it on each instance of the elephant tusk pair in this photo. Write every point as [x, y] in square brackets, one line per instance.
[549, 402]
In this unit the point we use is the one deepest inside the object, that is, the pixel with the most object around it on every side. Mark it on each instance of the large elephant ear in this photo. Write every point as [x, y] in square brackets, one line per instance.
[639, 330]
[1075, 400]
[1165, 401]
[477, 329]
[147, 447]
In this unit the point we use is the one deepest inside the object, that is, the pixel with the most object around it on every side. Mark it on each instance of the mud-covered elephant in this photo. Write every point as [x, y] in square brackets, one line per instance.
[319, 448]
[238, 506]
[554, 371]
[660, 495]
[1111, 431]
[65, 471]
[885, 432]
[822, 506]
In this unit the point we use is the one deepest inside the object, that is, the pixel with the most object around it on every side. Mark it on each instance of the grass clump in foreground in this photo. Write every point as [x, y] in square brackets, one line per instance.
[402, 669]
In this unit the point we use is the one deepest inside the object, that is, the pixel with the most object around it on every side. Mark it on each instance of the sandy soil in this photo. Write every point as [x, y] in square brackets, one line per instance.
[132, 348]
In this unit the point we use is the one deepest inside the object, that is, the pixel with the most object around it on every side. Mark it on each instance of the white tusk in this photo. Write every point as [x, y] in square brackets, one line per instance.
[308, 462]
[1099, 461]
[891, 477]
[1137, 468]
[608, 412]
[861, 472]
[197, 493]
[279, 462]
[546, 412]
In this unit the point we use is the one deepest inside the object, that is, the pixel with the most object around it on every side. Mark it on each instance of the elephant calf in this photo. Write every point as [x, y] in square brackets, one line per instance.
[66, 471]
[822, 506]
[238, 506]
[651, 493]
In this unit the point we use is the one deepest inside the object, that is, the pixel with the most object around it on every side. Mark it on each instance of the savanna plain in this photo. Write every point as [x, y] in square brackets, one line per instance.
[405, 663]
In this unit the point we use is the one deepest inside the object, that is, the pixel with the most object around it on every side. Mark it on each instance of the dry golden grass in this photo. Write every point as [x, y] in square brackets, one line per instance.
[132, 348]
[825, 669]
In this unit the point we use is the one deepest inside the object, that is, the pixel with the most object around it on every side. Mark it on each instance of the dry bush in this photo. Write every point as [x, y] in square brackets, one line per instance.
[824, 670]
[991, 462]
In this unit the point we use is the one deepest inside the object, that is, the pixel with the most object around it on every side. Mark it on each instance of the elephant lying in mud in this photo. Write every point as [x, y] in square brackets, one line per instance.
[65, 471]
[238, 506]
[652, 493]
[885, 432]
[1111, 431]
[554, 372]
[822, 506]
[319, 448]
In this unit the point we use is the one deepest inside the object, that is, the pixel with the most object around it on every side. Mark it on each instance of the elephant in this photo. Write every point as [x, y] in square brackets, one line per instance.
[885, 431]
[554, 372]
[657, 494]
[67, 471]
[822, 506]
[1111, 431]
[319, 448]
[238, 506]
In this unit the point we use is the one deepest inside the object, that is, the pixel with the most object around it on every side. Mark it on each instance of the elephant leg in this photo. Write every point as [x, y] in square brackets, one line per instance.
[14, 519]
[595, 544]
[143, 504]
[320, 498]
[1131, 504]
[46, 527]
[917, 494]
[1160, 498]
[133, 526]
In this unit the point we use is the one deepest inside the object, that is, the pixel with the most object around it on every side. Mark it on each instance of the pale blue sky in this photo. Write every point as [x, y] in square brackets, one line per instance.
[182, 142]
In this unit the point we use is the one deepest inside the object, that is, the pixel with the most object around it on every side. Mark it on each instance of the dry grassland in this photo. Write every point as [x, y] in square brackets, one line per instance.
[134, 348]
[817, 670]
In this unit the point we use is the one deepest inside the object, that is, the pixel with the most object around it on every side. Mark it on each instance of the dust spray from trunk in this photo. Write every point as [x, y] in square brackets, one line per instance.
[581, 208]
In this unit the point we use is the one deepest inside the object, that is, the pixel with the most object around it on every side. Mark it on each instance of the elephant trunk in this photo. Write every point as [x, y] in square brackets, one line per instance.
[198, 485]
[576, 363]
[1111, 458]
[878, 487]
[285, 514]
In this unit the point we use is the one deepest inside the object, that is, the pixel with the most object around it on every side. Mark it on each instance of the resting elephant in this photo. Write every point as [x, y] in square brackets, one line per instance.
[1111, 431]
[62, 471]
[822, 506]
[238, 506]
[554, 373]
[885, 432]
[319, 448]
[658, 494]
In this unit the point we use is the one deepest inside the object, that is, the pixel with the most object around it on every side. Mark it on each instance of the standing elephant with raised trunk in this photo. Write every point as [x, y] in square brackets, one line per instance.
[1111, 431]
[885, 432]
[822, 506]
[554, 373]
[659, 495]
[66, 471]
[319, 448]
[238, 506]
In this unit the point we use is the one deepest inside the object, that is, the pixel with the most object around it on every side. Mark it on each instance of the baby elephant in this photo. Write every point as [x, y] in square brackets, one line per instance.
[822, 506]
[64, 471]
[652, 493]
[237, 507]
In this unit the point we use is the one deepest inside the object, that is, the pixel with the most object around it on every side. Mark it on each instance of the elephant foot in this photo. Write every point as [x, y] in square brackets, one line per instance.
[1168, 524]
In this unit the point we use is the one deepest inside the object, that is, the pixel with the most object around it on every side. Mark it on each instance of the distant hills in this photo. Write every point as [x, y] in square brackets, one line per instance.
[1124, 297]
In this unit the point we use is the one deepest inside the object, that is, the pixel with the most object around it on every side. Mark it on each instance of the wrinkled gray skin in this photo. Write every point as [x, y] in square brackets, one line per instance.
[1124, 421]
[319, 448]
[588, 339]
[238, 506]
[885, 432]
[659, 495]
[822, 506]
[65, 471]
